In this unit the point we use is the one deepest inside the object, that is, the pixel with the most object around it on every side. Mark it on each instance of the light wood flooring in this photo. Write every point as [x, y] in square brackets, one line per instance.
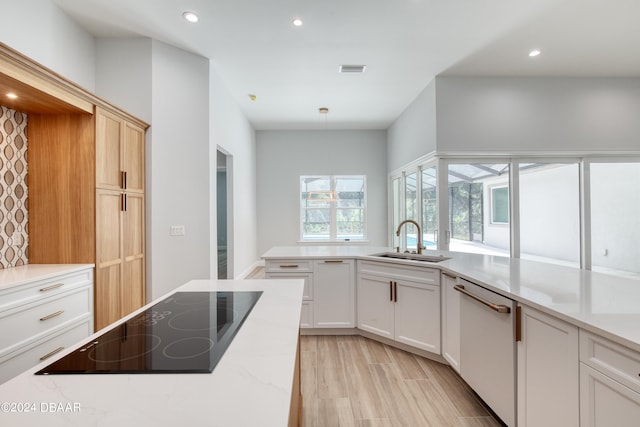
[355, 381]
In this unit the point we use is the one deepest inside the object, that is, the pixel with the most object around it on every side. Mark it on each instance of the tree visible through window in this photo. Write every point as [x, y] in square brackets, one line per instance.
[333, 207]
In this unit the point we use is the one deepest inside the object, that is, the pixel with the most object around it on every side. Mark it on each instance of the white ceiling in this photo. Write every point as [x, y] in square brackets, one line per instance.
[404, 43]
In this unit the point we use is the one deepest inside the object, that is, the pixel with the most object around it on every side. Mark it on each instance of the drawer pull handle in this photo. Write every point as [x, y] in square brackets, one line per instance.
[48, 355]
[51, 316]
[450, 276]
[496, 307]
[289, 266]
[334, 260]
[48, 288]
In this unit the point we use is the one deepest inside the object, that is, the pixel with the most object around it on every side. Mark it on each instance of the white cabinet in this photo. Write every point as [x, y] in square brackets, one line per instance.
[329, 289]
[334, 294]
[375, 305]
[548, 374]
[450, 321]
[400, 303]
[296, 269]
[609, 383]
[43, 310]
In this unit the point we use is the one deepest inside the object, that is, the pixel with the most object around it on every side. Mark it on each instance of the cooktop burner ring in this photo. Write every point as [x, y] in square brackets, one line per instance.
[156, 341]
[208, 343]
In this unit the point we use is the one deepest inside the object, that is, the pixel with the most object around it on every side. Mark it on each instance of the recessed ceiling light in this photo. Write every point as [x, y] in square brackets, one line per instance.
[297, 22]
[534, 52]
[323, 110]
[11, 95]
[190, 16]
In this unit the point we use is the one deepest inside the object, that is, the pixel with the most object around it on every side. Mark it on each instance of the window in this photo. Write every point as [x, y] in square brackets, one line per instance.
[333, 208]
[550, 212]
[615, 209]
[474, 207]
[500, 205]
[429, 207]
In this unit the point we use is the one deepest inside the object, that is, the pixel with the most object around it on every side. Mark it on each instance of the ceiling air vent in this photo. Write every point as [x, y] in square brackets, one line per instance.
[352, 68]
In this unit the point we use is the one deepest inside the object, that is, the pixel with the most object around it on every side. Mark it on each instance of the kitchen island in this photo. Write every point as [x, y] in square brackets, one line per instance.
[256, 382]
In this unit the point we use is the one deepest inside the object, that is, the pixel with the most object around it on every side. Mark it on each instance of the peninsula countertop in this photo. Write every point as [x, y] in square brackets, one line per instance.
[604, 304]
[251, 385]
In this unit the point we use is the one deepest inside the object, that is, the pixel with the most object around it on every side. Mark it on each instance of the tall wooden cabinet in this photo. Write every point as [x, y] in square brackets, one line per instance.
[120, 257]
[86, 169]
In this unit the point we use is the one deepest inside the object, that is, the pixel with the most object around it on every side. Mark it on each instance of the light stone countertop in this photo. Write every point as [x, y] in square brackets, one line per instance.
[16, 276]
[600, 303]
[250, 386]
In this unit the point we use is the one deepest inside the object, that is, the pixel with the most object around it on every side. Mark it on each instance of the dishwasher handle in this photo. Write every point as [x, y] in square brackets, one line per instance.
[496, 307]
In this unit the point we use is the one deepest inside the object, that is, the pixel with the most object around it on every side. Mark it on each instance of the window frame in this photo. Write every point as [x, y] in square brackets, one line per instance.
[492, 219]
[333, 226]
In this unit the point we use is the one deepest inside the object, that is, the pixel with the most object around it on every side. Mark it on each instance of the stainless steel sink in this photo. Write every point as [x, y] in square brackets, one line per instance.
[413, 257]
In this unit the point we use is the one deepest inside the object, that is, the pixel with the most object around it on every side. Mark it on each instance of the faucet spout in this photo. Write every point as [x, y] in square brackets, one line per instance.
[410, 221]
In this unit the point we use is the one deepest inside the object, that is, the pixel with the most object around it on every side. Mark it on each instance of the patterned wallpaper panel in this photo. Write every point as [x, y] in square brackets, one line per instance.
[14, 238]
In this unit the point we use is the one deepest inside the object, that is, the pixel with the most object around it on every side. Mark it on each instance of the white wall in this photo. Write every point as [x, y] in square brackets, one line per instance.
[123, 74]
[234, 135]
[413, 134]
[44, 33]
[179, 173]
[512, 115]
[283, 156]
[169, 88]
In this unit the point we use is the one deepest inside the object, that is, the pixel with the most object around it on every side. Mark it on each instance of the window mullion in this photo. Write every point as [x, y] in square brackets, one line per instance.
[333, 228]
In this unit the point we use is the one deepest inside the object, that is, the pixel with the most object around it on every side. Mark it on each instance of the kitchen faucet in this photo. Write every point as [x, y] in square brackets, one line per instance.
[419, 233]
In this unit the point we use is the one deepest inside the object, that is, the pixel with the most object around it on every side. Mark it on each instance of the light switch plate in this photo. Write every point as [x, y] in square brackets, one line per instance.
[177, 230]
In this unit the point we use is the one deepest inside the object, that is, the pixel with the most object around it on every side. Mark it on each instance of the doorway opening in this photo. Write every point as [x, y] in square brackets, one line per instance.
[224, 208]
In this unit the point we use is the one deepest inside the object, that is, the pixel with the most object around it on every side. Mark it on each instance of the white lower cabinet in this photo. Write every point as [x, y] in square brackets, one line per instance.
[296, 269]
[450, 321]
[42, 314]
[400, 303]
[329, 289]
[334, 293]
[609, 383]
[548, 374]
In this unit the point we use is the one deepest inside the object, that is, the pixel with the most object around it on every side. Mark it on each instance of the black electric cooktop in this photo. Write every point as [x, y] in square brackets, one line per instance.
[188, 332]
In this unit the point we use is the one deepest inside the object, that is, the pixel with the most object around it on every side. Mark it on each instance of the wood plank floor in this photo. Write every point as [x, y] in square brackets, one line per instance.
[355, 381]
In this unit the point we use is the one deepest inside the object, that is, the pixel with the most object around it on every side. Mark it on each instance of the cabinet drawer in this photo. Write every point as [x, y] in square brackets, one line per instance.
[30, 323]
[291, 265]
[398, 271]
[31, 355]
[307, 293]
[29, 292]
[612, 359]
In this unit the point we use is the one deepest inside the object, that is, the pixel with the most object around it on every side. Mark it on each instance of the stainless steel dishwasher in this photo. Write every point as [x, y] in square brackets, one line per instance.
[488, 347]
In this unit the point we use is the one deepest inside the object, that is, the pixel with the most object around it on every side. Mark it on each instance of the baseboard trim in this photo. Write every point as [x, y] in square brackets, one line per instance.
[249, 270]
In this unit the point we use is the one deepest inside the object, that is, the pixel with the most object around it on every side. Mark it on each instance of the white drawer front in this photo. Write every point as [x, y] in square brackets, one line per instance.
[612, 359]
[290, 265]
[30, 356]
[398, 271]
[30, 292]
[307, 294]
[30, 323]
